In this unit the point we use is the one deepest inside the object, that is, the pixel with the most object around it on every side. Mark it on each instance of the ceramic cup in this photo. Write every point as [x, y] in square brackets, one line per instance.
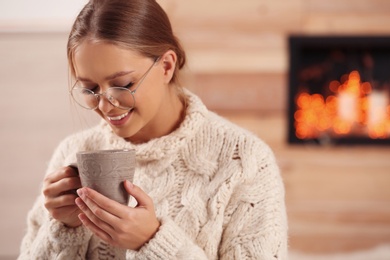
[106, 170]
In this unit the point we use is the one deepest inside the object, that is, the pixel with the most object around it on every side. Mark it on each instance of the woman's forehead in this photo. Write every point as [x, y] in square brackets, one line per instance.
[104, 59]
[105, 50]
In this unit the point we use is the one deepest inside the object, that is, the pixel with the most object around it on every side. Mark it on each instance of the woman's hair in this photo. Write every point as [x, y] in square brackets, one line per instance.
[139, 25]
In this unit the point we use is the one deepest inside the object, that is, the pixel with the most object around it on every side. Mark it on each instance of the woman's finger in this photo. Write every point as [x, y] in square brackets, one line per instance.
[60, 174]
[142, 198]
[61, 201]
[63, 185]
[95, 229]
[59, 213]
[98, 216]
[60, 181]
[111, 206]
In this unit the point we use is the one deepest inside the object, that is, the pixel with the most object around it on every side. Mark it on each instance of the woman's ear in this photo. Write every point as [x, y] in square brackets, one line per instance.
[168, 61]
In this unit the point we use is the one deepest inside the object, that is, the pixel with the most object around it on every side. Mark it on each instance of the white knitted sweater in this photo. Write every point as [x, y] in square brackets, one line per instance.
[216, 188]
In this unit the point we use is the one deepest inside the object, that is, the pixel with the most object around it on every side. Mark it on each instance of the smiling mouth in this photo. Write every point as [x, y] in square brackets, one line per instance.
[117, 118]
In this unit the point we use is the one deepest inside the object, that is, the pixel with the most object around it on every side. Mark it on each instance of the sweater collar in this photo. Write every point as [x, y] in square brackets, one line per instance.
[166, 146]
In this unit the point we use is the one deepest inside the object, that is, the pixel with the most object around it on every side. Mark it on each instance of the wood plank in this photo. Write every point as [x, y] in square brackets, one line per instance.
[241, 91]
[332, 238]
[335, 174]
[348, 6]
[224, 61]
[362, 213]
[200, 39]
[346, 24]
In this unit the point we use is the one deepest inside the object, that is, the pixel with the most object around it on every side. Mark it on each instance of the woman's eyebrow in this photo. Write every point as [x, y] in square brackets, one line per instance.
[110, 77]
[118, 74]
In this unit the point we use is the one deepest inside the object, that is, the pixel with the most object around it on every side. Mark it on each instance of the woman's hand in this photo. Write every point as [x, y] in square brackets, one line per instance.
[58, 189]
[117, 224]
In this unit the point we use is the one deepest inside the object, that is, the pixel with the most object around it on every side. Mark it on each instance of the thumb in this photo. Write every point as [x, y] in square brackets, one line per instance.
[142, 198]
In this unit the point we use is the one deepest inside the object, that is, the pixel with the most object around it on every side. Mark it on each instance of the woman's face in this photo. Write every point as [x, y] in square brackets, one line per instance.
[157, 109]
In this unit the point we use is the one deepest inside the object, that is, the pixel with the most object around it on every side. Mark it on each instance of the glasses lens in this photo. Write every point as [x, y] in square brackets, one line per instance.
[85, 97]
[120, 97]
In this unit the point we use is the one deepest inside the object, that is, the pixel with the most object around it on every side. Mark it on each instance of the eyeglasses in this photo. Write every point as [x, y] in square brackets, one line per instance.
[119, 97]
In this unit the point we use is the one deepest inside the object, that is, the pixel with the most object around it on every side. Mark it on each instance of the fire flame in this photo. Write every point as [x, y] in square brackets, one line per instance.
[352, 108]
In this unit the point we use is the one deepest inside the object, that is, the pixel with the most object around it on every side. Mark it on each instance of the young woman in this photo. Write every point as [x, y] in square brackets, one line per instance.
[205, 188]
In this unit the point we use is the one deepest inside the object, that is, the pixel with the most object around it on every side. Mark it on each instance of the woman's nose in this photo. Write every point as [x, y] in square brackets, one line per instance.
[105, 104]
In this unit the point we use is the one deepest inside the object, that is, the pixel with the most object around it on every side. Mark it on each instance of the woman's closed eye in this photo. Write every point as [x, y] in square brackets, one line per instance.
[126, 86]
[94, 89]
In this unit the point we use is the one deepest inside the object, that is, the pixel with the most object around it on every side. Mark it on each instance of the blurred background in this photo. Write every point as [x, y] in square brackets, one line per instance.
[338, 196]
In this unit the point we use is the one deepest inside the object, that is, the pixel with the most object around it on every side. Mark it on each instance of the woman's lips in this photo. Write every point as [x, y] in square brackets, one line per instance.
[120, 119]
[116, 118]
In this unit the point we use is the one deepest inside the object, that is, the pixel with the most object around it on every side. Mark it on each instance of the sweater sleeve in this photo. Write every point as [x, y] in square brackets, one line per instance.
[47, 238]
[256, 216]
[170, 242]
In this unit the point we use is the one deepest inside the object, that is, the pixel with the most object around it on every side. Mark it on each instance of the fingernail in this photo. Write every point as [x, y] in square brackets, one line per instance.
[129, 184]
[80, 192]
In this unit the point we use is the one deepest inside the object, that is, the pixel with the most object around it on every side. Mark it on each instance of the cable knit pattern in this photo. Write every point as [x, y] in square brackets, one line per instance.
[216, 188]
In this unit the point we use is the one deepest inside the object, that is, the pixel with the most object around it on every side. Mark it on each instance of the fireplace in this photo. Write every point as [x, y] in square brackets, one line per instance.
[339, 90]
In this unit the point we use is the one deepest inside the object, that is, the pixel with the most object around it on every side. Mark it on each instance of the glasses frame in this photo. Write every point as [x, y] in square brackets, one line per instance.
[110, 98]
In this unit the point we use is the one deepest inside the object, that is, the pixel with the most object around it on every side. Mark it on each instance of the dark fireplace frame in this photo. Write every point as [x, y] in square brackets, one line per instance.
[297, 44]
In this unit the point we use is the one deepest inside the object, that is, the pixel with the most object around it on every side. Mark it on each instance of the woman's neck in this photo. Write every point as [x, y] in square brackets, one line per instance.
[171, 115]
